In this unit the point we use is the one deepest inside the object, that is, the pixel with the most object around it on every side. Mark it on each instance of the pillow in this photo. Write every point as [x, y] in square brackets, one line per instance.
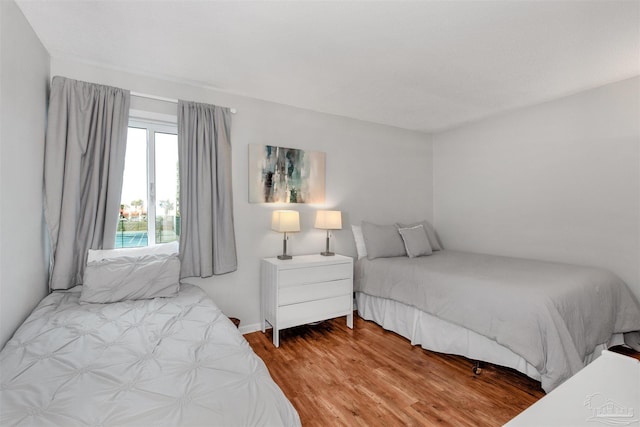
[415, 241]
[100, 254]
[361, 249]
[131, 278]
[382, 241]
[431, 233]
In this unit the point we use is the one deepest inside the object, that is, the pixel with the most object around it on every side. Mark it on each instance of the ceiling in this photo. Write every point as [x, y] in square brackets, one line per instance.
[421, 65]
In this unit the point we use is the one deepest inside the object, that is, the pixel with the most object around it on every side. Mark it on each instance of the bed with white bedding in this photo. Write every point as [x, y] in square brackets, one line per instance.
[175, 361]
[544, 319]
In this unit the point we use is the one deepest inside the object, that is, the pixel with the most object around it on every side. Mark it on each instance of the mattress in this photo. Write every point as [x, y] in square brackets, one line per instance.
[161, 362]
[552, 315]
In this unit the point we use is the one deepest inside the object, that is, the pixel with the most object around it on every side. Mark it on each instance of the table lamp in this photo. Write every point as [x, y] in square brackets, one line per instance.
[328, 220]
[285, 222]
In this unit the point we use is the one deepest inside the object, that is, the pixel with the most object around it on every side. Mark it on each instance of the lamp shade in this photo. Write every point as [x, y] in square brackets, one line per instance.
[285, 221]
[329, 220]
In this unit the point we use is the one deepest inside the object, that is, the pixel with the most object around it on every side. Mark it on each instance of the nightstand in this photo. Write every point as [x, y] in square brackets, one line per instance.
[305, 289]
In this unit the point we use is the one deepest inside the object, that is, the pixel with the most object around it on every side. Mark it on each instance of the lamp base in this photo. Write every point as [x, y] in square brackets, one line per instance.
[284, 248]
[327, 252]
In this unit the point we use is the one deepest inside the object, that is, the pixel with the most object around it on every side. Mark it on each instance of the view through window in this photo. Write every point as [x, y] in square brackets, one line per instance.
[149, 207]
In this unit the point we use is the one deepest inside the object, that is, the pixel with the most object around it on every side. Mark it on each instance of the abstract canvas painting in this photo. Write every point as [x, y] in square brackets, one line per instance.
[285, 175]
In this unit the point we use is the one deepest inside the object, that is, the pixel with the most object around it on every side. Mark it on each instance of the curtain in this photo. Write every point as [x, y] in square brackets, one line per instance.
[84, 162]
[207, 237]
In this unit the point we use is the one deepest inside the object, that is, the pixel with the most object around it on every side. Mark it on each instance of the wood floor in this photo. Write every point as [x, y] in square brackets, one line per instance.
[371, 377]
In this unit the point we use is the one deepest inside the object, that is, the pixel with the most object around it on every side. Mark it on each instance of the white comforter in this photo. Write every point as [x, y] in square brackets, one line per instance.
[162, 362]
[551, 314]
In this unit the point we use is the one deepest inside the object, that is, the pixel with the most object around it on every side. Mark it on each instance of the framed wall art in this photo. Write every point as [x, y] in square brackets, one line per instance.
[285, 175]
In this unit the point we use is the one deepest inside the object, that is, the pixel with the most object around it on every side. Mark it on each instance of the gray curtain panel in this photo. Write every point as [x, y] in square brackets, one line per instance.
[84, 162]
[207, 237]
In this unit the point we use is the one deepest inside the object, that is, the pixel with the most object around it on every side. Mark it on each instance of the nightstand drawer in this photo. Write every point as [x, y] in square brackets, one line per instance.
[321, 273]
[314, 291]
[313, 311]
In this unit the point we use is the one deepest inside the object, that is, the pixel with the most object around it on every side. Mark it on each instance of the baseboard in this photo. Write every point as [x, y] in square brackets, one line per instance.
[247, 329]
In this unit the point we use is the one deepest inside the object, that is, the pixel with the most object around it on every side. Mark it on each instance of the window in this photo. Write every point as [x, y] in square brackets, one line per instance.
[149, 210]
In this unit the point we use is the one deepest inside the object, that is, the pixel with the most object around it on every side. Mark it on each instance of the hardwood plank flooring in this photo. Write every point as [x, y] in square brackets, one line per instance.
[335, 376]
[626, 351]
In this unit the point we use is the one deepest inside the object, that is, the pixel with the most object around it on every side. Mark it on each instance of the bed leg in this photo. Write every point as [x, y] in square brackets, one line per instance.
[477, 367]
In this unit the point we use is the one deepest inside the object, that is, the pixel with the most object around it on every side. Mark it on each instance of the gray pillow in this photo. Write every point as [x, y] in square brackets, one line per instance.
[431, 233]
[131, 278]
[415, 241]
[382, 241]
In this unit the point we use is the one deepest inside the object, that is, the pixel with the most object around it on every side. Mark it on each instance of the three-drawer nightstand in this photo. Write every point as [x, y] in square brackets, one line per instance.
[305, 289]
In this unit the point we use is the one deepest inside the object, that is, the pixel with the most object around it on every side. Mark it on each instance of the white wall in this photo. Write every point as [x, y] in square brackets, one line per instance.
[24, 77]
[558, 181]
[374, 172]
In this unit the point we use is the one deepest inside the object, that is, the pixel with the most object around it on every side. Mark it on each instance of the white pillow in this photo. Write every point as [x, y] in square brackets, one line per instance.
[361, 249]
[162, 249]
[124, 278]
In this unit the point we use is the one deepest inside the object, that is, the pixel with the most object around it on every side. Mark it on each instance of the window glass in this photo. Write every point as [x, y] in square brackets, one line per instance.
[132, 228]
[167, 209]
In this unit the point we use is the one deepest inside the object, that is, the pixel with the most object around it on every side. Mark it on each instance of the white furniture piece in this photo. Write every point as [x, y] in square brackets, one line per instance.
[606, 392]
[305, 289]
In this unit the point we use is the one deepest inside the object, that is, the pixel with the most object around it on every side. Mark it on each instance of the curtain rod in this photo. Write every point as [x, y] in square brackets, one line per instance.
[163, 99]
